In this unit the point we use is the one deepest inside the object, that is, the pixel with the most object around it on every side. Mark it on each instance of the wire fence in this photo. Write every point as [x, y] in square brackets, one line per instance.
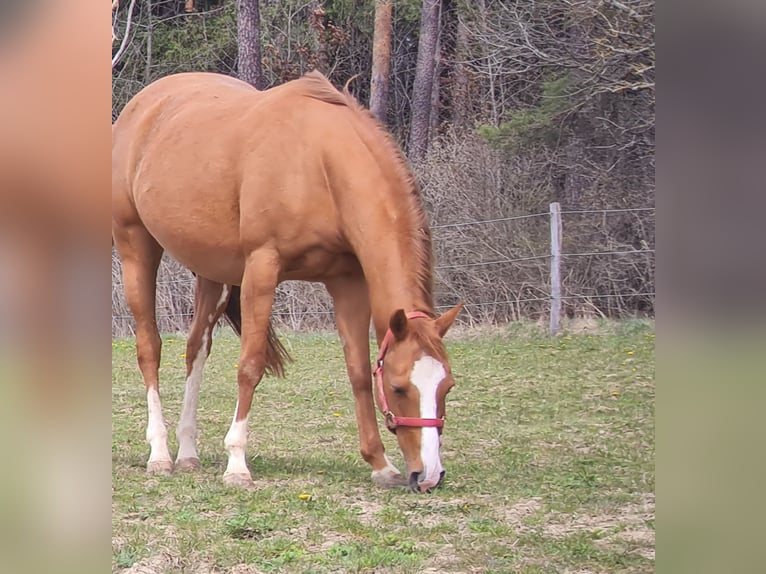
[611, 275]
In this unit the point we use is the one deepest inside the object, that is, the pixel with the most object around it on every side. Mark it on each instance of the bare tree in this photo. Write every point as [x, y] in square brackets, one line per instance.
[125, 39]
[149, 42]
[424, 79]
[249, 38]
[381, 59]
[461, 82]
[115, 7]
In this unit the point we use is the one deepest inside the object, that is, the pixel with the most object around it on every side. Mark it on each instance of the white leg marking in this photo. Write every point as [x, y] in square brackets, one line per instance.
[221, 301]
[388, 476]
[156, 431]
[186, 432]
[236, 446]
[426, 376]
[389, 469]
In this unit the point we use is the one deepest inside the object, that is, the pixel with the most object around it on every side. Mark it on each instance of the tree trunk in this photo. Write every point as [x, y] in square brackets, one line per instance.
[381, 59]
[149, 43]
[249, 38]
[460, 82]
[424, 78]
[433, 118]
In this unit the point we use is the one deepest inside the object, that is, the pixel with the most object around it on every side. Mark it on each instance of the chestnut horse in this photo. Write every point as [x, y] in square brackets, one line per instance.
[249, 188]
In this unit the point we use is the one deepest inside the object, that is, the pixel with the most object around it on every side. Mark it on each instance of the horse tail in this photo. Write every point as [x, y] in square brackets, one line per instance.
[276, 354]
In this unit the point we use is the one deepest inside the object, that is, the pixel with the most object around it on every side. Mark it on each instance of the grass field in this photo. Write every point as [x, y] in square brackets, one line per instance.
[549, 451]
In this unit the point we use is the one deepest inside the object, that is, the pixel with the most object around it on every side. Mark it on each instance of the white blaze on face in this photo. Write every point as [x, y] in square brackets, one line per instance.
[426, 375]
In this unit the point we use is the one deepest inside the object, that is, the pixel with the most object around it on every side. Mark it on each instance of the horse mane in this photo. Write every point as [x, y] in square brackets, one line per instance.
[382, 144]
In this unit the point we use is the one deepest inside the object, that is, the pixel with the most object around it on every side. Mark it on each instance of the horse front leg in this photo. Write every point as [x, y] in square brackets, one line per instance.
[352, 316]
[210, 300]
[257, 297]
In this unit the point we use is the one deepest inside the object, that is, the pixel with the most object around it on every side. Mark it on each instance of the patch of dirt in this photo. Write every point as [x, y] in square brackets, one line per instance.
[445, 561]
[629, 516]
[447, 570]
[629, 521]
[521, 510]
[367, 511]
[245, 569]
[203, 568]
[155, 565]
[331, 539]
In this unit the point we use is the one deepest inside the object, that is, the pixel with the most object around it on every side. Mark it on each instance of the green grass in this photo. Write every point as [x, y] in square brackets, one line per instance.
[549, 451]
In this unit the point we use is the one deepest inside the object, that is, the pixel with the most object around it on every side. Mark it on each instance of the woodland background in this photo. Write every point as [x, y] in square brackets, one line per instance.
[502, 107]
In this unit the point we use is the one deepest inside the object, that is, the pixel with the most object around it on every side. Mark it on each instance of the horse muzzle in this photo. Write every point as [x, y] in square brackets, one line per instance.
[418, 482]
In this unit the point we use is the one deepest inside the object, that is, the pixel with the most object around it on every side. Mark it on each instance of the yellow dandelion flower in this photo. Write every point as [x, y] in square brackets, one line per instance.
[304, 496]
[336, 414]
[629, 352]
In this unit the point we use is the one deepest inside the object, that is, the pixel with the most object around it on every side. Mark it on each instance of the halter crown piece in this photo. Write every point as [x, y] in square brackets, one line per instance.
[392, 421]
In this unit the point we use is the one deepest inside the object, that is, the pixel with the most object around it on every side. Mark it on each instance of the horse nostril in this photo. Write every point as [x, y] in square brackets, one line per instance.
[413, 482]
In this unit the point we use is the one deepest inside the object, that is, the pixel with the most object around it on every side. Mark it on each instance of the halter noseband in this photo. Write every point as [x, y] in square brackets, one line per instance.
[392, 421]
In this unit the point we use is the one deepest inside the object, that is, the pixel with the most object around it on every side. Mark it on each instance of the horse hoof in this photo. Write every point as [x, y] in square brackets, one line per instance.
[159, 467]
[387, 478]
[188, 464]
[238, 481]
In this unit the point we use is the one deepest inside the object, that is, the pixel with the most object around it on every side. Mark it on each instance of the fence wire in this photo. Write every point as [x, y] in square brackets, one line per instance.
[122, 321]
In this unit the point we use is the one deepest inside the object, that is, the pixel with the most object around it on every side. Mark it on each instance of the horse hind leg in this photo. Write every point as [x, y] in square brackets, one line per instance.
[210, 300]
[141, 256]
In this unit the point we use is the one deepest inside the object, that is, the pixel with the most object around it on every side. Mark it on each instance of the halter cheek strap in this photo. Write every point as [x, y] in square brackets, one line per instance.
[392, 421]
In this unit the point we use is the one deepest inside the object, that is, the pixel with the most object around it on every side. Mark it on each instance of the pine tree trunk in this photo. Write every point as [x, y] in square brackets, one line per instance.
[460, 82]
[433, 117]
[381, 59]
[249, 38]
[424, 77]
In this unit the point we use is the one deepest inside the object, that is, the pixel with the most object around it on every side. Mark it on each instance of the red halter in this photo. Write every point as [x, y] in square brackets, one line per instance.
[392, 421]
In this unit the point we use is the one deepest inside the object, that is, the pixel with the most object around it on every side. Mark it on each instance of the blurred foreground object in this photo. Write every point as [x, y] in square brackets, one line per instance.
[711, 325]
[54, 248]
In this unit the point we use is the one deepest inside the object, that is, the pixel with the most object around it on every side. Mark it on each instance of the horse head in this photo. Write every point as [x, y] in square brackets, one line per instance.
[413, 377]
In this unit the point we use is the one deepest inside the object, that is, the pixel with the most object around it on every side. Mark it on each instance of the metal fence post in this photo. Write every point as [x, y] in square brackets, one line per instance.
[555, 210]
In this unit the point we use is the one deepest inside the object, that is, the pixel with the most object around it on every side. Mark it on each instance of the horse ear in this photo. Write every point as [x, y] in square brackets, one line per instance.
[398, 324]
[444, 322]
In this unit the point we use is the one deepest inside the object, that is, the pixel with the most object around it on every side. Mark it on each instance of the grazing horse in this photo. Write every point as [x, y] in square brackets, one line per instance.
[249, 188]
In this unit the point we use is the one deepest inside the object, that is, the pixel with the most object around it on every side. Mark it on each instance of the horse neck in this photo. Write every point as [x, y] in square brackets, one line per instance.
[395, 287]
[382, 220]
[387, 251]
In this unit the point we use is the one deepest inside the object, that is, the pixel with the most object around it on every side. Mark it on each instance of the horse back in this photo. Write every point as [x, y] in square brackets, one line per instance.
[215, 169]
